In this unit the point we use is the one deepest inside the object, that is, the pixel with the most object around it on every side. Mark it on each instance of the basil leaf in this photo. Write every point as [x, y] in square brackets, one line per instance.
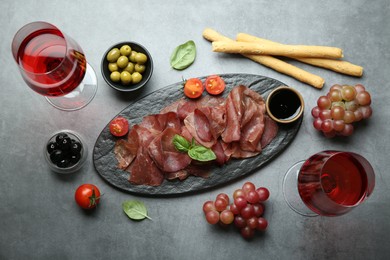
[135, 209]
[183, 55]
[181, 144]
[201, 153]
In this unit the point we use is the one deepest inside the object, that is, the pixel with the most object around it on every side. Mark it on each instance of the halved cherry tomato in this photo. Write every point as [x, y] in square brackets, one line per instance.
[87, 196]
[193, 88]
[119, 126]
[215, 85]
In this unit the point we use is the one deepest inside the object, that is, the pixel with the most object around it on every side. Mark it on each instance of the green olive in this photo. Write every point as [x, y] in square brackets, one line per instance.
[136, 77]
[112, 66]
[139, 68]
[125, 50]
[126, 78]
[115, 76]
[140, 58]
[122, 61]
[132, 56]
[130, 67]
[113, 55]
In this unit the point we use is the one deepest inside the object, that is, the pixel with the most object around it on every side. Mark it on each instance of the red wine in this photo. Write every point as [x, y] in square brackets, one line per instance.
[51, 67]
[332, 185]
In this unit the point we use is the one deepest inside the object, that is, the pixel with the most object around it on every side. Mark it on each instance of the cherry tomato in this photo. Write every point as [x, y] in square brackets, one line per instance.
[87, 196]
[119, 126]
[215, 85]
[193, 88]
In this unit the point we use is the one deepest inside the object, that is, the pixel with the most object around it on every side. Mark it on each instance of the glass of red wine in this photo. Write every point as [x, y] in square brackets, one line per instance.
[329, 183]
[54, 65]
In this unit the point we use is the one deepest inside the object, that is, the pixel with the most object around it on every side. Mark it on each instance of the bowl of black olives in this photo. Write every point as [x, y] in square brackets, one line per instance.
[65, 152]
[127, 66]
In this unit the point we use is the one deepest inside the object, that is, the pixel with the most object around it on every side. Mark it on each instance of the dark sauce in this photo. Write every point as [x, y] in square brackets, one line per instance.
[284, 104]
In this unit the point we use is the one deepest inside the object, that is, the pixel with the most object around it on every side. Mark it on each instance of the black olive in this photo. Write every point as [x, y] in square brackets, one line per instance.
[65, 143]
[75, 158]
[60, 136]
[63, 163]
[75, 147]
[51, 147]
[56, 156]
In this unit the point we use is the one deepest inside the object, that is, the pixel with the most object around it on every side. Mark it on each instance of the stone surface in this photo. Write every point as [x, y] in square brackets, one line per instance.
[38, 216]
[106, 163]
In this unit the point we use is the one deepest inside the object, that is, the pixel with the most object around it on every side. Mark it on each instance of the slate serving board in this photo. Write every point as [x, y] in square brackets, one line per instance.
[106, 164]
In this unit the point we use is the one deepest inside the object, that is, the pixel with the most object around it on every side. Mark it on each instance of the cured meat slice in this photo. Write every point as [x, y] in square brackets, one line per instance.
[143, 171]
[159, 122]
[244, 122]
[164, 154]
[199, 128]
[126, 151]
[270, 131]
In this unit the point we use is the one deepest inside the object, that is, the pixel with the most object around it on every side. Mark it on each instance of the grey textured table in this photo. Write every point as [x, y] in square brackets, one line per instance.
[38, 216]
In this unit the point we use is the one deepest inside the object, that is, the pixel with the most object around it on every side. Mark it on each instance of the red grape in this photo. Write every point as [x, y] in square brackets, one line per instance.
[252, 222]
[223, 196]
[234, 209]
[226, 217]
[315, 112]
[262, 224]
[239, 222]
[324, 102]
[248, 186]
[252, 196]
[208, 206]
[248, 211]
[212, 217]
[238, 193]
[240, 202]
[247, 232]
[263, 193]
[220, 204]
[258, 209]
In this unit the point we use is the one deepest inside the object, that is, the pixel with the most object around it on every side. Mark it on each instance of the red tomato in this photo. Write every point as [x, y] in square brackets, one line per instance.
[215, 85]
[193, 88]
[87, 196]
[119, 126]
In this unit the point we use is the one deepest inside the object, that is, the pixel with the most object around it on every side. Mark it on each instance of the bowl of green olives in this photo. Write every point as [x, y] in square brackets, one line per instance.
[127, 66]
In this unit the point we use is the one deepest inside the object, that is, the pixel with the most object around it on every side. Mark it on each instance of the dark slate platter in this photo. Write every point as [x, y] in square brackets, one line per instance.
[105, 161]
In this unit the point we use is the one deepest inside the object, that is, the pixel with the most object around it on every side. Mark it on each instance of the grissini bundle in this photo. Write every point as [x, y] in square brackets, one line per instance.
[277, 49]
[271, 62]
[339, 66]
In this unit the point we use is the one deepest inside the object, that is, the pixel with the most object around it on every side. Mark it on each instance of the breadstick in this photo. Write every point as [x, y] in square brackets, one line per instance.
[340, 66]
[279, 49]
[271, 62]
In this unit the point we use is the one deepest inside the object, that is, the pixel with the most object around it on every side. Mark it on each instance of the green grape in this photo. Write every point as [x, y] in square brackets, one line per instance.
[335, 95]
[348, 93]
[337, 113]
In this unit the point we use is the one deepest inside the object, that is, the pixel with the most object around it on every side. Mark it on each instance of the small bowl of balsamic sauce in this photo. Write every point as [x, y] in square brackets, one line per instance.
[284, 104]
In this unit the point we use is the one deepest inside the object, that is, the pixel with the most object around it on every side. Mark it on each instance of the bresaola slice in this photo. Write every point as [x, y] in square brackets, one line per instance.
[233, 127]
[164, 154]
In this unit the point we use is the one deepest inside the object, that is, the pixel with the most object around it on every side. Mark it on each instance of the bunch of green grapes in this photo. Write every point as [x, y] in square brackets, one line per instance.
[336, 112]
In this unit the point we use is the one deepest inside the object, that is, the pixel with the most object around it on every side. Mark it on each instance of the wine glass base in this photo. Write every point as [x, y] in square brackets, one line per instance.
[80, 96]
[291, 194]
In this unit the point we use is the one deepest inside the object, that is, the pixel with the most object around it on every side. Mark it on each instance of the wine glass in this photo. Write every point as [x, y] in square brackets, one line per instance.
[329, 183]
[54, 65]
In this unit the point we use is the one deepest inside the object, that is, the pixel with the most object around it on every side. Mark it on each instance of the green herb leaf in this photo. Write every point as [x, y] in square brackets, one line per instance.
[201, 153]
[183, 55]
[135, 210]
[181, 144]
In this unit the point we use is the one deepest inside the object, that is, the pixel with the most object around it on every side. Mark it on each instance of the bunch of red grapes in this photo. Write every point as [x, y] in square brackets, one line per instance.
[245, 211]
[340, 108]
